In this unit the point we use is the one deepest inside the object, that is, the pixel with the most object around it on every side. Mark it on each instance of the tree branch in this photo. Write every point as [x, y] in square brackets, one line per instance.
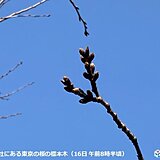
[80, 17]
[18, 13]
[11, 115]
[92, 76]
[34, 15]
[14, 15]
[11, 70]
[5, 96]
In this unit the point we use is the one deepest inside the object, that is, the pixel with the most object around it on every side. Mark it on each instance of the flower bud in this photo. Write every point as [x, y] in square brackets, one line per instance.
[99, 99]
[91, 57]
[66, 81]
[87, 66]
[82, 52]
[83, 59]
[75, 90]
[96, 76]
[86, 75]
[68, 89]
[92, 68]
[83, 101]
[87, 52]
[65, 78]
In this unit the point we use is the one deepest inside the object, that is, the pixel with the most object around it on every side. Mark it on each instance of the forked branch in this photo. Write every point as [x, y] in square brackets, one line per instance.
[94, 96]
[19, 13]
[7, 95]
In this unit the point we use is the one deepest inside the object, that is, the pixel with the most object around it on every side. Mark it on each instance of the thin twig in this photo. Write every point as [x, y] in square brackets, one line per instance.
[35, 16]
[16, 14]
[11, 70]
[80, 17]
[11, 115]
[5, 96]
[92, 76]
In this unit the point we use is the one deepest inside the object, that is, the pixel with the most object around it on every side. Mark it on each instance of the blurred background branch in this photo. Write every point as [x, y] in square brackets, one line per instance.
[19, 13]
[16, 14]
[7, 95]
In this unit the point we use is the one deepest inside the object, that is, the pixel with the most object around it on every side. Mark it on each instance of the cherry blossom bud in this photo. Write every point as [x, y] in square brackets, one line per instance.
[86, 75]
[92, 68]
[75, 90]
[87, 52]
[83, 59]
[91, 57]
[82, 52]
[68, 89]
[66, 81]
[96, 76]
[83, 101]
[87, 66]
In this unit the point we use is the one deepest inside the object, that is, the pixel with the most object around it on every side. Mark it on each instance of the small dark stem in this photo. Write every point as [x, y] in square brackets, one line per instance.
[80, 18]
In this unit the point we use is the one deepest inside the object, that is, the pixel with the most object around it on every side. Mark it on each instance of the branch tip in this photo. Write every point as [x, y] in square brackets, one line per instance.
[80, 18]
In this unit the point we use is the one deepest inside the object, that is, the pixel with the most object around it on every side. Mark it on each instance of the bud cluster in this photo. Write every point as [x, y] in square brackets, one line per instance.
[90, 74]
[87, 58]
[68, 84]
[69, 87]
